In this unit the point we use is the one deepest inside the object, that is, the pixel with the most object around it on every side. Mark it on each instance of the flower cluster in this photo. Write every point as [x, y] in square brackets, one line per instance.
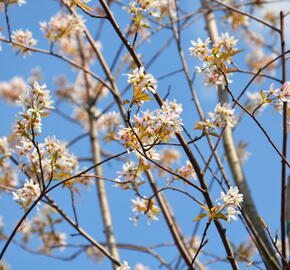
[36, 103]
[56, 160]
[227, 210]
[187, 171]
[231, 202]
[222, 116]
[12, 90]
[142, 81]
[51, 240]
[4, 149]
[94, 253]
[27, 194]
[257, 59]
[145, 206]
[130, 176]
[8, 175]
[215, 59]
[62, 25]
[255, 102]
[43, 225]
[150, 128]
[168, 157]
[273, 96]
[23, 38]
[138, 6]
[236, 20]
[155, 8]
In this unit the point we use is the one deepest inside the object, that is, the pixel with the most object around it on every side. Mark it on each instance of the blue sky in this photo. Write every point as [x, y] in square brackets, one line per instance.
[262, 170]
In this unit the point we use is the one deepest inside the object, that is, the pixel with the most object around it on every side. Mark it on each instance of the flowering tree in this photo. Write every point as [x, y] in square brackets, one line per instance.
[151, 97]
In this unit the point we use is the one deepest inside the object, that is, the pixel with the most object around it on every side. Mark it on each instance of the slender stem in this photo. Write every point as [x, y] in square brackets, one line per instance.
[203, 242]
[284, 144]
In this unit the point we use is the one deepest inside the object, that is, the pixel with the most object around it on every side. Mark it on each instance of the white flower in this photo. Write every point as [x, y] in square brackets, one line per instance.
[141, 207]
[29, 192]
[232, 213]
[232, 197]
[223, 115]
[144, 81]
[227, 42]
[24, 38]
[200, 49]
[285, 95]
[124, 266]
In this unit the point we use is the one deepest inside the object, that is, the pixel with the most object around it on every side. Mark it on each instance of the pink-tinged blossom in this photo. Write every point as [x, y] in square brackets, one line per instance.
[187, 171]
[12, 90]
[4, 148]
[140, 266]
[29, 192]
[285, 94]
[62, 25]
[52, 240]
[143, 81]
[8, 175]
[24, 38]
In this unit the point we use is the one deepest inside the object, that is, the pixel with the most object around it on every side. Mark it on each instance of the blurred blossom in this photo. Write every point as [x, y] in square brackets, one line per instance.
[94, 253]
[187, 171]
[62, 25]
[12, 90]
[124, 266]
[255, 100]
[140, 266]
[242, 152]
[25, 38]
